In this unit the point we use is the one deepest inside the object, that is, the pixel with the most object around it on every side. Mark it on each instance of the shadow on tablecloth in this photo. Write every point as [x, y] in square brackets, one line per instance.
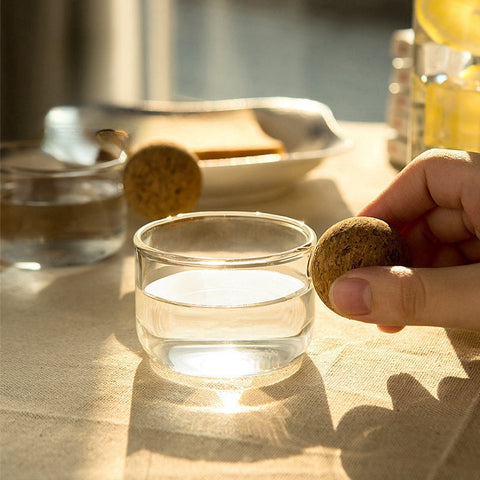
[199, 424]
[315, 201]
[423, 436]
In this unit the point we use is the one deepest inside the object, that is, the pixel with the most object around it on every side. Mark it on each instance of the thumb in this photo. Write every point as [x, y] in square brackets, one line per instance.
[398, 296]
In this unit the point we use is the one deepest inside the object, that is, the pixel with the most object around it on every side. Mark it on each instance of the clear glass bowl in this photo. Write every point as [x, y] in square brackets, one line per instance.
[58, 213]
[224, 296]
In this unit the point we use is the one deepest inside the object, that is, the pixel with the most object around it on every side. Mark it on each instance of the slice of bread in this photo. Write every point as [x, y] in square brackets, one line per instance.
[211, 135]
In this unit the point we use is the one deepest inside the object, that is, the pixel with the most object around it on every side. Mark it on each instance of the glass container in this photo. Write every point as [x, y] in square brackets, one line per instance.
[445, 109]
[224, 295]
[59, 212]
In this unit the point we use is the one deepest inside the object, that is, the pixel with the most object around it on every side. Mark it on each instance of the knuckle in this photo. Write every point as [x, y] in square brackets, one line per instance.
[413, 295]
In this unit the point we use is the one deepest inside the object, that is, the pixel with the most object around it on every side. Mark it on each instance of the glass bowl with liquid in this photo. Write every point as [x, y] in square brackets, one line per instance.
[224, 296]
[59, 212]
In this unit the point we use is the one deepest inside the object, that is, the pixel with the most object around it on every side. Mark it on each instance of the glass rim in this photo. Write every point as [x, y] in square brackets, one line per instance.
[74, 170]
[269, 259]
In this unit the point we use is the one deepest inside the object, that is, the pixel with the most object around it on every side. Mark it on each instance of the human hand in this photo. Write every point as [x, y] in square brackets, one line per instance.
[435, 203]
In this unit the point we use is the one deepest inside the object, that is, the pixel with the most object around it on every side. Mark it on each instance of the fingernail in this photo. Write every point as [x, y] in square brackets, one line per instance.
[350, 296]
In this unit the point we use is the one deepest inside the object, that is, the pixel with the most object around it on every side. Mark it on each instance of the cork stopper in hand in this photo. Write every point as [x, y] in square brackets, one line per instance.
[353, 243]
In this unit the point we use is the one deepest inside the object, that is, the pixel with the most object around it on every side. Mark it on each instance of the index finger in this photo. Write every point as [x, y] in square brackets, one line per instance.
[436, 178]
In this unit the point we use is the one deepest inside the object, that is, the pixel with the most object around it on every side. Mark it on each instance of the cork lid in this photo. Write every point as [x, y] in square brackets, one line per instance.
[353, 243]
[162, 179]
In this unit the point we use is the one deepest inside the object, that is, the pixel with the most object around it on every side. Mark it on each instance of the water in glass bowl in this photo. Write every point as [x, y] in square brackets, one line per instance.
[225, 323]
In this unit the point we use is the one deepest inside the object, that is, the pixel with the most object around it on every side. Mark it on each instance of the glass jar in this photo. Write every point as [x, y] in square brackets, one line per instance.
[445, 103]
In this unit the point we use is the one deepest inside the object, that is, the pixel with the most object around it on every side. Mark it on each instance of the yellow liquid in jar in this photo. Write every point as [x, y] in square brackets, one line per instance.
[445, 111]
[452, 112]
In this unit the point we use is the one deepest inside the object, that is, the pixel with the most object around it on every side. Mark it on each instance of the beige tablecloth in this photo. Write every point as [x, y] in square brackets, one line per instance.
[79, 401]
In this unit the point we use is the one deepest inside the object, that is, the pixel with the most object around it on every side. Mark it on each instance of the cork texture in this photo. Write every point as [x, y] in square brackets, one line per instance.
[162, 179]
[354, 243]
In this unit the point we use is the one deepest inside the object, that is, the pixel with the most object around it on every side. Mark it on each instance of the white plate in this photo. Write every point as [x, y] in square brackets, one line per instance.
[306, 127]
